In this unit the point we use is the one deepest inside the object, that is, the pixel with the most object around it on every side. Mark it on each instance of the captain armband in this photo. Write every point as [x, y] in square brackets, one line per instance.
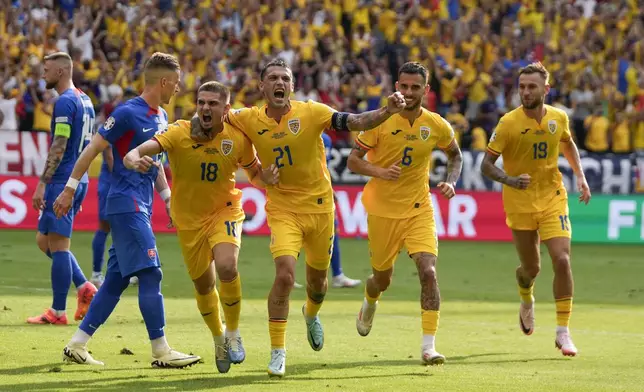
[339, 121]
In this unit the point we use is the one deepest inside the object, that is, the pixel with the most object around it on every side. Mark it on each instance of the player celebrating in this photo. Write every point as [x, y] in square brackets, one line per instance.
[129, 205]
[300, 207]
[534, 198]
[204, 170]
[72, 125]
[397, 201]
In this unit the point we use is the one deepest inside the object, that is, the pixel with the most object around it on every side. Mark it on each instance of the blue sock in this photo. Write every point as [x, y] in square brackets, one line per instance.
[151, 301]
[104, 301]
[77, 273]
[98, 250]
[61, 278]
[336, 266]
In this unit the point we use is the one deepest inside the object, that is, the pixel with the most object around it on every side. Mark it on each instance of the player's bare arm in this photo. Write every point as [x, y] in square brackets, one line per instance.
[493, 172]
[260, 177]
[570, 151]
[64, 201]
[140, 158]
[54, 157]
[454, 167]
[371, 119]
[357, 164]
[163, 189]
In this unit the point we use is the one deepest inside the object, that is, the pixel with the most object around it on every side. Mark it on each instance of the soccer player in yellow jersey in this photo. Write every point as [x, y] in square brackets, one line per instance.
[288, 134]
[529, 139]
[396, 198]
[206, 209]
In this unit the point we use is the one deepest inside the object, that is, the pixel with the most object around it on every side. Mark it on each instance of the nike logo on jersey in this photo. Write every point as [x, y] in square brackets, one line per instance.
[396, 132]
[196, 146]
[526, 131]
[147, 129]
[263, 131]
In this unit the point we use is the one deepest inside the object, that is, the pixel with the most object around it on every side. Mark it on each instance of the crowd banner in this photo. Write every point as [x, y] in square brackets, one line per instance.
[468, 216]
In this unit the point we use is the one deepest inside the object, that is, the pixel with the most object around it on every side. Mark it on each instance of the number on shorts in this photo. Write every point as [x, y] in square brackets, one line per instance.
[564, 222]
[231, 228]
[209, 171]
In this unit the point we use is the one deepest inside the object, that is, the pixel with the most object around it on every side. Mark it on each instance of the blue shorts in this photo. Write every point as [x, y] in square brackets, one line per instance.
[103, 190]
[48, 223]
[134, 247]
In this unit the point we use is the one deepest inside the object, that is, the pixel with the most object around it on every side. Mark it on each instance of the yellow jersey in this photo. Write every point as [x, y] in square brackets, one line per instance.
[398, 140]
[203, 173]
[295, 146]
[528, 147]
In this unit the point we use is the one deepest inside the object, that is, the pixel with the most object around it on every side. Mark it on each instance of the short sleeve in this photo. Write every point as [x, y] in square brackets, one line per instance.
[64, 111]
[249, 155]
[368, 139]
[499, 139]
[170, 137]
[238, 118]
[447, 135]
[116, 125]
[321, 115]
[566, 136]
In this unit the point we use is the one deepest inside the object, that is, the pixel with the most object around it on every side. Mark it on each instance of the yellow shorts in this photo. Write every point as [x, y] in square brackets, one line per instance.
[225, 226]
[552, 222]
[291, 231]
[387, 237]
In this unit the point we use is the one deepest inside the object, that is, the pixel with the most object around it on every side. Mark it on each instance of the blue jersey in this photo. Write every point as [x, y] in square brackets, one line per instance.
[74, 118]
[327, 145]
[130, 125]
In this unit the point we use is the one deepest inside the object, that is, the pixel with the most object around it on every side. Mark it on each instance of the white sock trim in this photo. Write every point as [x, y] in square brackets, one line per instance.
[159, 346]
[428, 341]
[80, 338]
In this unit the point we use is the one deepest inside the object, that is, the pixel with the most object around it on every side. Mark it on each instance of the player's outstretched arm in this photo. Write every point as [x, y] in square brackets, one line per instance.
[454, 167]
[64, 201]
[493, 172]
[570, 151]
[140, 158]
[357, 164]
[371, 119]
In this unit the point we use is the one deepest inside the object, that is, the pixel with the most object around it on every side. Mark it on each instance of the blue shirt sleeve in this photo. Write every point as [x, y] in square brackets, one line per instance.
[116, 125]
[327, 145]
[64, 111]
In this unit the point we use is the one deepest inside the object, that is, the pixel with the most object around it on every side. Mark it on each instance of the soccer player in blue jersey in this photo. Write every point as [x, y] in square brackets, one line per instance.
[129, 206]
[72, 125]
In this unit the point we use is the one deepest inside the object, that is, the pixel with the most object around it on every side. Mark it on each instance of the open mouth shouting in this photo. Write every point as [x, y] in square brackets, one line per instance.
[206, 119]
[279, 93]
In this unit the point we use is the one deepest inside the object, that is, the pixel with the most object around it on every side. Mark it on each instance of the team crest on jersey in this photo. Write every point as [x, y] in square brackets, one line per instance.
[109, 123]
[552, 126]
[294, 126]
[424, 133]
[493, 137]
[226, 146]
[152, 253]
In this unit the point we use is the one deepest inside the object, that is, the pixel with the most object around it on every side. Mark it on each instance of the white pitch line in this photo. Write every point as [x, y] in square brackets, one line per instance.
[24, 288]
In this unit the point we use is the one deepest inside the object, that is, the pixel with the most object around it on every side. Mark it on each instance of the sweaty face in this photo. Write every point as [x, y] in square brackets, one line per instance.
[413, 87]
[532, 90]
[51, 73]
[169, 86]
[277, 86]
[211, 108]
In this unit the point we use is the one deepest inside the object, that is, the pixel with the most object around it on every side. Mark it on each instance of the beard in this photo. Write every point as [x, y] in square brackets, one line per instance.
[535, 104]
[51, 85]
[413, 106]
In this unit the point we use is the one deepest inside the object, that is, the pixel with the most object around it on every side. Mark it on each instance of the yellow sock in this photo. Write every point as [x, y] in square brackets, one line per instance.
[312, 308]
[564, 308]
[430, 321]
[209, 307]
[277, 330]
[370, 299]
[526, 294]
[231, 302]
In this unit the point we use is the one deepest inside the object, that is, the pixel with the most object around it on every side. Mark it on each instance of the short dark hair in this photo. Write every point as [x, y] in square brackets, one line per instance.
[160, 61]
[414, 68]
[215, 87]
[535, 68]
[278, 62]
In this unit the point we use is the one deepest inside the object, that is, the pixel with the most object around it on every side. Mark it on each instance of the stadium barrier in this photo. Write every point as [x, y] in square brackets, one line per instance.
[25, 154]
[471, 216]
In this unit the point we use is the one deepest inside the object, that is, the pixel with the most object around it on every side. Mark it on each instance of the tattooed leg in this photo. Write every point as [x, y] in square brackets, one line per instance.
[430, 298]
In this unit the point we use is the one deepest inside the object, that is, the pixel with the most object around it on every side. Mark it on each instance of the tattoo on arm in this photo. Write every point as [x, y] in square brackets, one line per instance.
[367, 120]
[56, 152]
[454, 163]
[491, 171]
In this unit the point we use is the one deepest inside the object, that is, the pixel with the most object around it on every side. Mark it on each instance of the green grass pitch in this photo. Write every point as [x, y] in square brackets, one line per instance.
[478, 331]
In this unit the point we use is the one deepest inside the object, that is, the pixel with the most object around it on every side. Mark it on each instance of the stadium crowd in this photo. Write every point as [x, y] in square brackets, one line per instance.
[344, 53]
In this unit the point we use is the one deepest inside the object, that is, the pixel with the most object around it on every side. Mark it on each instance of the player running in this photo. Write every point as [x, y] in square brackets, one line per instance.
[206, 209]
[71, 126]
[396, 198]
[300, 207]
[535, 201]
[129, 205]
